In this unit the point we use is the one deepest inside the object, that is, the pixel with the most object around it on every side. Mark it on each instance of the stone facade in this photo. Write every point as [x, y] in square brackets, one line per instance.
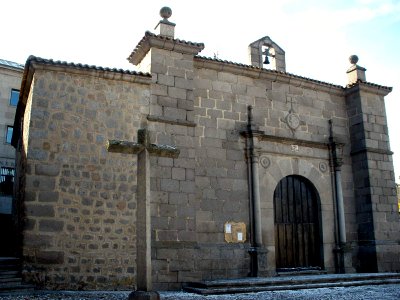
[83, 205]
[10, 79]
[10, 82]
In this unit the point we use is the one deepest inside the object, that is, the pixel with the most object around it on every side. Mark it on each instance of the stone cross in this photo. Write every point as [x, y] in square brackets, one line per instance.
[143, 148]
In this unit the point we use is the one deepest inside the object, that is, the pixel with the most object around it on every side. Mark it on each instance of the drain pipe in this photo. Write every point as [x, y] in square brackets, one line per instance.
[254, 194]
[336, 150]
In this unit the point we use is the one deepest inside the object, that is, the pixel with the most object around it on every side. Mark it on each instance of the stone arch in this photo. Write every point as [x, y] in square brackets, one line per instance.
[280, 166]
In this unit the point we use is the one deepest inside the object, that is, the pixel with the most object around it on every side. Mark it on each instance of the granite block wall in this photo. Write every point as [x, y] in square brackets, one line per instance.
[374, 182]
[79, 201]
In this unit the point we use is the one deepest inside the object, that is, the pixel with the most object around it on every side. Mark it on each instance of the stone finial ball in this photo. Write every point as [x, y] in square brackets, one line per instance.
[165, 12]
[353, 59]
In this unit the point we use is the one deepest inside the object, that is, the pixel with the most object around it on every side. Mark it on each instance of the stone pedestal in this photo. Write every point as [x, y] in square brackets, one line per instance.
[142, 295]
[344, 260]
[355, 73]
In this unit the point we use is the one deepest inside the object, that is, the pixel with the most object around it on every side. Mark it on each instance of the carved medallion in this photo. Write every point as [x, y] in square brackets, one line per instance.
[264, 161]
[293, 121]
[323, 167]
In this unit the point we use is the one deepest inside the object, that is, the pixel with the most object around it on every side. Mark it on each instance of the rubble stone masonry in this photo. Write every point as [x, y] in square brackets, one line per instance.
[79, 201]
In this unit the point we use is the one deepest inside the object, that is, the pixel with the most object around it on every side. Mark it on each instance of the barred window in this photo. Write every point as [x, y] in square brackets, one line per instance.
[6, 180]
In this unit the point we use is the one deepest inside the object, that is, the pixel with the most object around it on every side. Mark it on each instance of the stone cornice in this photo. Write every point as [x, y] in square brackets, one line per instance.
[170, 121]
[272, 75]
[286, 140]
[294, 141]
[372, 150]
[368, 87]
[151, 40]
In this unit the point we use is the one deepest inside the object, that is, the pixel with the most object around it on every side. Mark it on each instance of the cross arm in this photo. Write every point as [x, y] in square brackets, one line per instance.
[163, 150]
[124, 147]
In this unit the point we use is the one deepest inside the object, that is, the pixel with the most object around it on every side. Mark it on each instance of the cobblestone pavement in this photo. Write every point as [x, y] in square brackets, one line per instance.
[381, 292]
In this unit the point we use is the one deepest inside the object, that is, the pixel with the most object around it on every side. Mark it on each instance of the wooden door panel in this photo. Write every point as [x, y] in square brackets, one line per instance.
[296, 224]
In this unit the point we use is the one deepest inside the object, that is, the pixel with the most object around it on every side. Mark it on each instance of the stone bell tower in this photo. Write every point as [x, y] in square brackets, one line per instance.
[265, 51]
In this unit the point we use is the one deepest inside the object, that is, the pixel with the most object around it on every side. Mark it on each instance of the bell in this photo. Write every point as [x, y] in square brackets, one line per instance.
[266, 60]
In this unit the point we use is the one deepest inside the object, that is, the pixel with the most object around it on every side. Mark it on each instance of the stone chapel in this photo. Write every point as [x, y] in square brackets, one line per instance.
[195, 168]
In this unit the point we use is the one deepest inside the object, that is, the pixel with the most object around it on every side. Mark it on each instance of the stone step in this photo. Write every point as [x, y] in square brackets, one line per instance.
[246, 285]
[9, 274]
[9, 264]
[10, 280]
[16, 288]
[7, 260]
[10, 277]
[15, 285]
[10, 269]
[301, 273]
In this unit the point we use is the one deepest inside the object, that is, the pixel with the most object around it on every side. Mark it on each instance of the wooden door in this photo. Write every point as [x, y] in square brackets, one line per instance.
[297, 225]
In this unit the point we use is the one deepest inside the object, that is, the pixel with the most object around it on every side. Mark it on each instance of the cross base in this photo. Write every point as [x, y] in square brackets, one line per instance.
[142, 295]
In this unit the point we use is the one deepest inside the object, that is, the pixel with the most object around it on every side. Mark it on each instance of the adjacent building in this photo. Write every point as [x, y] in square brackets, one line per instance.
[10, 82]
[195, 168]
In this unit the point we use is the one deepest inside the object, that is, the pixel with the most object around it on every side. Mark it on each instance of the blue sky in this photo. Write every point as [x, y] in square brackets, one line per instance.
[318, 36]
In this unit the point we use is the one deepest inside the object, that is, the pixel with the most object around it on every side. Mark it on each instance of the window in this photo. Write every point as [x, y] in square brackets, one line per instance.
[14, 97]
[6, 181]
[9, 134]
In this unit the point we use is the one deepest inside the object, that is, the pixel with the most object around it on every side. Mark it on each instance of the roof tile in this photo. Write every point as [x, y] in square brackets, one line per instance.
[83, 66]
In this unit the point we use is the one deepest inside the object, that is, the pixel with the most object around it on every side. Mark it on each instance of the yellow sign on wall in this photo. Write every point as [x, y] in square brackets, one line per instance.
[235, 232]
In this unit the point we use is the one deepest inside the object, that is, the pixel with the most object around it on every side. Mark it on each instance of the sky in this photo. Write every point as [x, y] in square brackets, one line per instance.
[317, 36]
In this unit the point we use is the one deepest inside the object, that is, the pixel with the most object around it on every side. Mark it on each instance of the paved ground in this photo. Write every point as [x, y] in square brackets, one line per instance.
[379, 292]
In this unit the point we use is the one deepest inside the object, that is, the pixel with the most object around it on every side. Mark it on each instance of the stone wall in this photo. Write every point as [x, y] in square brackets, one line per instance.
[375, 195]
[195, 194]
[223, 97]
[79, 200]
[214, 151]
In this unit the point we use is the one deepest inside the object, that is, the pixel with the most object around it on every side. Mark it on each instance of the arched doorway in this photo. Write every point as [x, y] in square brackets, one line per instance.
[298, 240]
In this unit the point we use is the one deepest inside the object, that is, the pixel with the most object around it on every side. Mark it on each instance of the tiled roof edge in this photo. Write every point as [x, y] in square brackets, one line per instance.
[199, 45]
[143, 46]
[370, 84]
[40, 60]
[249, 67]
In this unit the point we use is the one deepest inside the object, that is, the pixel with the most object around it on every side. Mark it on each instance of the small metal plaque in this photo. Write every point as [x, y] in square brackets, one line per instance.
[235, 232]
